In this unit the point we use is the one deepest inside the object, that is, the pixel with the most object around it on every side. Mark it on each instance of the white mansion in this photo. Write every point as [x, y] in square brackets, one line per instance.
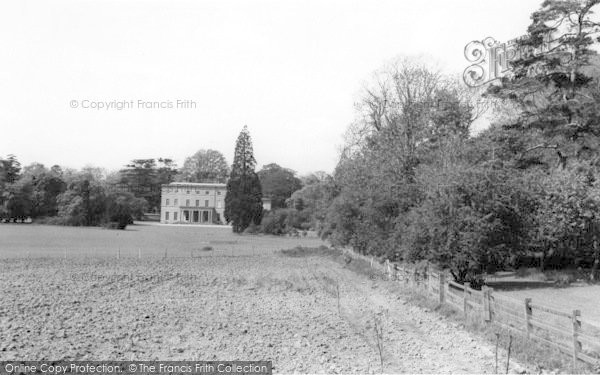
[192, 203]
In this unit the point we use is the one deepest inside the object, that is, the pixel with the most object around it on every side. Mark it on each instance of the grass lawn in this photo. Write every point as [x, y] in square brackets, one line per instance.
[149, 240]
[585, 298]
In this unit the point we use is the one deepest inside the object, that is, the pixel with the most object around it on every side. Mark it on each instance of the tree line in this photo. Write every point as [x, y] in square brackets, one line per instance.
[415, 184]
[64, 196]
[92, 196]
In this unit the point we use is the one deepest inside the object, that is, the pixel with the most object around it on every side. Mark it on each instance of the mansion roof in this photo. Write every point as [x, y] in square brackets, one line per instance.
[196, 184]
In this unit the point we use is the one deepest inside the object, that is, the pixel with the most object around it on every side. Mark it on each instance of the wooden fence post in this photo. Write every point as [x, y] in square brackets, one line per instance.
[387, 265]
[528, 313]
[442, 288]
[466, 287]
[576, 330]
[487, 316]
[428, 282]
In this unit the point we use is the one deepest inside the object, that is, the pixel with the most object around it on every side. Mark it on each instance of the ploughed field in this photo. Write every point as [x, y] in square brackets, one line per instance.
[243, 300]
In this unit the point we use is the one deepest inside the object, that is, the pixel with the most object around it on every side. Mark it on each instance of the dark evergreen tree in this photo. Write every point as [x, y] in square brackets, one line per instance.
[552, 83]
[243, 201]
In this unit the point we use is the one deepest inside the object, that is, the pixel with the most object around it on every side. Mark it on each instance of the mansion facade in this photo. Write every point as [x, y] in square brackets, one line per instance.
[192, 203]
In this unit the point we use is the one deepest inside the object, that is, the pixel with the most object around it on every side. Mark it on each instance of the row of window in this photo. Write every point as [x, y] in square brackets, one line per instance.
[187, 203]
[189, 191]
[194, 218]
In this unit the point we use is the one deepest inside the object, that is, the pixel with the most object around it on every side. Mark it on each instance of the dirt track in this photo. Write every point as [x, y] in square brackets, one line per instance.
[262, 306]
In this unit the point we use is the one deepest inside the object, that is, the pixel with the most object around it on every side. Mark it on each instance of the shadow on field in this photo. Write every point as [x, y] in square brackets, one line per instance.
[299, 252]
[510, 285]
[359, 266]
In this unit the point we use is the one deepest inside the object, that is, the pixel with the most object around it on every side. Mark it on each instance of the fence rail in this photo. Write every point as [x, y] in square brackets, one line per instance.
[560, 329]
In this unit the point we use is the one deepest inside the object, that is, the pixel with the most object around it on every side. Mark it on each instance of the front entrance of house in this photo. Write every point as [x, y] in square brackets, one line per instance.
[197, 216]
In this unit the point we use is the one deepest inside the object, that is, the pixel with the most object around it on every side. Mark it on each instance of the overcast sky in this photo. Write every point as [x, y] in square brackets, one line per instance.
[290, 70]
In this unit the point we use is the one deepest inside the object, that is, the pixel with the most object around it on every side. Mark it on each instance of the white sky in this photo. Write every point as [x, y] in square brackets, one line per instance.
[290, 70]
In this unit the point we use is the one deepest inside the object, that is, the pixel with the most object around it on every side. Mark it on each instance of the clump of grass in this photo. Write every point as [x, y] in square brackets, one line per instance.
[562, 277]
[299, 251]
[379, 338]
[531, 273]
[239, 281]
[331, 286]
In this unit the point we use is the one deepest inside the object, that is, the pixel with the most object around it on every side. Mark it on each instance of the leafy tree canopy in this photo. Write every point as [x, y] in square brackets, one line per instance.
[204, 166]
[278, 183]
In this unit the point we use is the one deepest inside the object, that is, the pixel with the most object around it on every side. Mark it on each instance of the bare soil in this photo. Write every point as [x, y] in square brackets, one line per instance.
[224, 305]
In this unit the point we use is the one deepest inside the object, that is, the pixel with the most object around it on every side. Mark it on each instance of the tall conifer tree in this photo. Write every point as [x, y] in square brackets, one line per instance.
[243, 201]
[554, 81]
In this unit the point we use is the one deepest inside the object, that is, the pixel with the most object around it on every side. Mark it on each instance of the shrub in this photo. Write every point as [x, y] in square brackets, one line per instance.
[252, 229]
[275, 222]
[119, 212]
[49, 220]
